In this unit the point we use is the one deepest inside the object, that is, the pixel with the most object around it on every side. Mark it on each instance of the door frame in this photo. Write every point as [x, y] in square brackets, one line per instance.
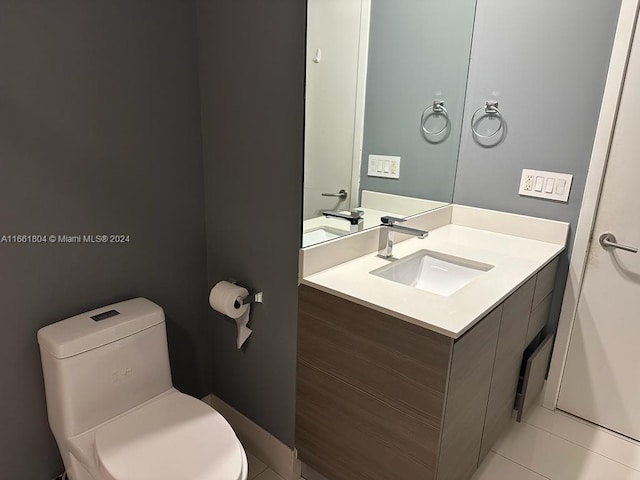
[618, 64]
[361, 92]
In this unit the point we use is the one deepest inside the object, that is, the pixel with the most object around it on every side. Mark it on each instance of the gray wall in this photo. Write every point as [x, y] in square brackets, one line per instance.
[418, 52]
[546, 62]
[99, 133]
[252, 89]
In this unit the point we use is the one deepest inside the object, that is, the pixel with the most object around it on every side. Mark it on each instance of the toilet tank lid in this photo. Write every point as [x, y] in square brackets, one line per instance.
[98, 327]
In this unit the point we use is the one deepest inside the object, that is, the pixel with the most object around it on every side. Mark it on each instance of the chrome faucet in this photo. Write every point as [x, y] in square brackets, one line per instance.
[388, 226]
[354, 217]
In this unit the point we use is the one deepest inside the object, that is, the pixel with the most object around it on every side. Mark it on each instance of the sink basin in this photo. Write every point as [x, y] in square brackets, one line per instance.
[433, 272]
[320, 234]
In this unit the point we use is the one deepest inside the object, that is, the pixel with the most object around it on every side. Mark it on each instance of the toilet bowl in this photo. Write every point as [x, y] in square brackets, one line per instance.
[112, 407]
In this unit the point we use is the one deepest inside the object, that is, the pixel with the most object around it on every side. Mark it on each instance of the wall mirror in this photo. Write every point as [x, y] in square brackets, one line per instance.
[385, 91]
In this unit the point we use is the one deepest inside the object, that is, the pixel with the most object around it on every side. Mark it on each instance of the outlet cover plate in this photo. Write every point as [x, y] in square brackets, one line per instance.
[548, 185]
[384, 166]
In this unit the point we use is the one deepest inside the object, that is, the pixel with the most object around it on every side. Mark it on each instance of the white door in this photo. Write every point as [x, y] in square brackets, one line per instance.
[601, 381]
[333, 68]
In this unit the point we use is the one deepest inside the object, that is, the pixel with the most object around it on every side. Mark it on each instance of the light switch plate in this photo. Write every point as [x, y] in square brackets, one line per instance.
[549, 185]
[384, 166]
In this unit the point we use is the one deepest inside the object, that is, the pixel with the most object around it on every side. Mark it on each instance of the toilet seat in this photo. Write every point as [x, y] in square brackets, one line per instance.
[174, 437]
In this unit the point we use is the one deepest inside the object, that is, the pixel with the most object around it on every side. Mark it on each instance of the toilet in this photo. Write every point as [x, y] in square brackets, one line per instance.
[112, 407]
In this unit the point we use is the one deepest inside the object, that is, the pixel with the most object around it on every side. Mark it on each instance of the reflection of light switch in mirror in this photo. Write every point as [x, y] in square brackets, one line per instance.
[384, 166]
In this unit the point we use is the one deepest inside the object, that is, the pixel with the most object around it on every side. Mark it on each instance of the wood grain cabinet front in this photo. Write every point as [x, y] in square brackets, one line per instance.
[466, 401]
[379, 398]
[506, 369]
[370, 391]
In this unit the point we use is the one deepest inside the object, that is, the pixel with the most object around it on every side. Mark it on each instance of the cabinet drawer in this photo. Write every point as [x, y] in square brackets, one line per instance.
[514, 323]
[381, 355]
[534, 376]
[538, 318]
[544, 282]
[370, 391]
[347, 434]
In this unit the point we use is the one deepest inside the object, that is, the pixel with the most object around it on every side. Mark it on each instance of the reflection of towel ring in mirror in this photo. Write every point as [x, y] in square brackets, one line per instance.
[491, 110]
[436, 109]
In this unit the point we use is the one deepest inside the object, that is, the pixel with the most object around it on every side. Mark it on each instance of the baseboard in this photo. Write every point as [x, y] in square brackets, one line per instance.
[267, 448]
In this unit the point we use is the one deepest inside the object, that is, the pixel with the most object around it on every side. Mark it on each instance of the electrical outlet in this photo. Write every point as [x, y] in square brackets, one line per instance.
[528, 183]
[548, 185]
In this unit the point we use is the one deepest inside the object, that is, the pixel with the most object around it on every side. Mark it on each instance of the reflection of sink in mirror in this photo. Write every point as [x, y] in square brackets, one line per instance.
[433, 272]
[321, 234]
[372, 67]
[374, 206]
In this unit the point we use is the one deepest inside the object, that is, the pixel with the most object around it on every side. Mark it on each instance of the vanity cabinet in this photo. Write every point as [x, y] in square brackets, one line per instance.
[379, 398]
[370, 391]
[467, 396]
[504, 380]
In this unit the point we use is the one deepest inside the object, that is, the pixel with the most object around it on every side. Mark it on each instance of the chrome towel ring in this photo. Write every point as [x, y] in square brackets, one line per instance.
[491, 110]
[437, 109]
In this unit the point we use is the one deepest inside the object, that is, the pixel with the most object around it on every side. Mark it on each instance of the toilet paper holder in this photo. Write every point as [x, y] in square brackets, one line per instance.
[253, 297]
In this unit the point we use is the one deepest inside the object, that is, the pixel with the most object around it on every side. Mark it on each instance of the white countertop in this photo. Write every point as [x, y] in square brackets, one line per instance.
[515, 260]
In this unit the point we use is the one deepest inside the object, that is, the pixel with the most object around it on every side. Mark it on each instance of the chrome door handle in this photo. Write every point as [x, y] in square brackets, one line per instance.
[608, 240]
[342, 194]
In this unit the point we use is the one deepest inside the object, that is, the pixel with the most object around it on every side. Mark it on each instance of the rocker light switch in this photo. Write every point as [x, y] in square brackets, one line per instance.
[538, 185]
[548, 185]
[384, 166]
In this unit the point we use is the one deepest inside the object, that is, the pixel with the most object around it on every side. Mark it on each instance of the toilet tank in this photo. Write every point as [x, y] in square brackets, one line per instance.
[102, 363]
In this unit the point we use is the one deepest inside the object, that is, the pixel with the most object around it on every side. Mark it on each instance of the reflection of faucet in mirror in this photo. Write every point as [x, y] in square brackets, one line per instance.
[354, 217]
[371, 68]
[388, 226]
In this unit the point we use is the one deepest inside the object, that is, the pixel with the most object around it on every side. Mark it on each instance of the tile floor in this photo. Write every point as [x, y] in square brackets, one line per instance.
[259, 471]
[557, 446]
[545, 446]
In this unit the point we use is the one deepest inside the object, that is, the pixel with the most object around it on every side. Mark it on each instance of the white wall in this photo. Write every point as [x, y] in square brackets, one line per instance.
[331, 95]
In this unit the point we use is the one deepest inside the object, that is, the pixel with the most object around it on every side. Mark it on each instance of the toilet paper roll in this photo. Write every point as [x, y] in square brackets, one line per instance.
[226, 298]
